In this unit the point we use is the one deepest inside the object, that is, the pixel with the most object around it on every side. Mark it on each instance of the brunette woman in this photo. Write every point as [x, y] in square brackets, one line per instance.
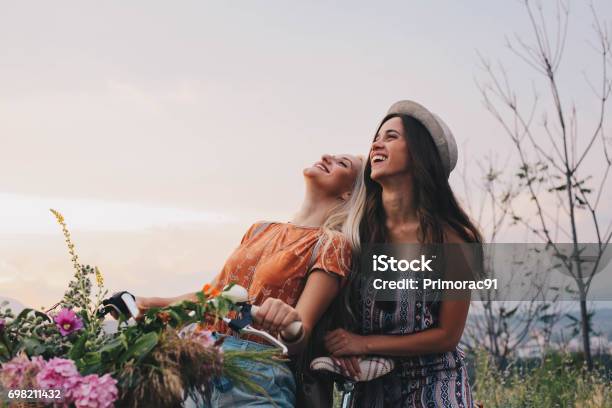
[406, 199]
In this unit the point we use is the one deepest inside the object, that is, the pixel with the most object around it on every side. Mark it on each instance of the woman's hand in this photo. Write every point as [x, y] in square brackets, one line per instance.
[143, 304]
[274, 315]
[349, 366]
[344, 343]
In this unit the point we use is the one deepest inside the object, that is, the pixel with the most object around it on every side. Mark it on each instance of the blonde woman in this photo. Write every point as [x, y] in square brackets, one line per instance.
[292, 270]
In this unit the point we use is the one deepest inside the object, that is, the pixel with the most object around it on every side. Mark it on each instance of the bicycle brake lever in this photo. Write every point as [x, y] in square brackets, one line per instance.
[243, 325]
[261, 333]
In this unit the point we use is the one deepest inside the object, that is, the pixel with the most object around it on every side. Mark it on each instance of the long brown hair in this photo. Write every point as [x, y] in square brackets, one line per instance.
[435, 201]
[437, 207]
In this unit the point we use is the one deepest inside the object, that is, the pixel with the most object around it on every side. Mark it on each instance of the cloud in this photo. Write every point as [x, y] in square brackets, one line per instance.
[30, 214]
[157, 261]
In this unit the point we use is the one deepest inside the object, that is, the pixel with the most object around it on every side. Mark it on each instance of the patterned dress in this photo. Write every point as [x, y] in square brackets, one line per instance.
[432, 381]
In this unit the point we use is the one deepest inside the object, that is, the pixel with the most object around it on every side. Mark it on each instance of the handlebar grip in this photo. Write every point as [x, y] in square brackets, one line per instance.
[291, 332]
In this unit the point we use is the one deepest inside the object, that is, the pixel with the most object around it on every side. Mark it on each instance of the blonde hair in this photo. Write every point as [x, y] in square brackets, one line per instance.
[356, 209]
[333, 230]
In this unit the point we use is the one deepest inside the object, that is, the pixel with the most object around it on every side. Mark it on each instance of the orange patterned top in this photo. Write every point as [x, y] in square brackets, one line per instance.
[275, 260]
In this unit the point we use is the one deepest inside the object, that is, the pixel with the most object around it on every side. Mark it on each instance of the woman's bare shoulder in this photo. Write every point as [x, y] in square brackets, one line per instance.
[452, 236]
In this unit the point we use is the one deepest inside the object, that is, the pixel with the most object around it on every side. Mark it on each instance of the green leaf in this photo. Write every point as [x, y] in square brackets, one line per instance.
[25, 312]
[4, 353]
[91, 369]
[111, 350]
[78, 348]
[124, 340]
[141, 347]
[174, 315]
[90, 363]
[32, 346]
[112, 344]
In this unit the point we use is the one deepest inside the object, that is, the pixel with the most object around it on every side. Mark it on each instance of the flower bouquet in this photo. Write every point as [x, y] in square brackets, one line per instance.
[64, 356]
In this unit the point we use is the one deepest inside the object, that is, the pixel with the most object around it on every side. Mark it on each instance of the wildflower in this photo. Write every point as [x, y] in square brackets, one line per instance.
[203, 336]
[74, 257]
[58, 373]
[58, 215]
[93, 391]
[20, 372]
[210, 291]
[68, 322]
[199, 333]
[164, 317]
[99, 277]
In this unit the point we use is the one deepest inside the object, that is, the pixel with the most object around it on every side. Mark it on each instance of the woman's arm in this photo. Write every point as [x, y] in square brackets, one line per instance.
[320, 289]
[444, 337]
[145, 303]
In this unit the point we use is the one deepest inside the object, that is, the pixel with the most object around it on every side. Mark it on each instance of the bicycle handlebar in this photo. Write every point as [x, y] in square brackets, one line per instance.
[291, 332]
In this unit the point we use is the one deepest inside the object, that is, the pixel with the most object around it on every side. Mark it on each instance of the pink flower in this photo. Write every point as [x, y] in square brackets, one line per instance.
[93, 391]
[199, 334]
[2, 324]
[205, 337]
[21, 372]
[58, 373]
[68, 322]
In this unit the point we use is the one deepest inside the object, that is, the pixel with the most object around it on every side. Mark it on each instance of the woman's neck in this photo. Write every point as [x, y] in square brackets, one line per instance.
[314, 210]
[398, 202]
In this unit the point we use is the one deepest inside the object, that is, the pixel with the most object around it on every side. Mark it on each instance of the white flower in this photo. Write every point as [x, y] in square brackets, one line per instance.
[236, 294]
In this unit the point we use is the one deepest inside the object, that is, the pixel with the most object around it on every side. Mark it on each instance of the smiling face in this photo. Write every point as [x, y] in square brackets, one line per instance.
[389, 151]
[333, 175]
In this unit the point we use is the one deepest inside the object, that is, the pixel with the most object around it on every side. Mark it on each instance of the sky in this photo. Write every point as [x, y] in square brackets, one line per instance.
[163, 130]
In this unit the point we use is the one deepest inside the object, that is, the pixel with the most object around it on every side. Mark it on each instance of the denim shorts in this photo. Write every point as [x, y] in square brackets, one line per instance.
[275, 378]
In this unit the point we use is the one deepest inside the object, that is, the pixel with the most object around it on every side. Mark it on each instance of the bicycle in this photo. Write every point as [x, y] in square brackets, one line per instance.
[371, 367]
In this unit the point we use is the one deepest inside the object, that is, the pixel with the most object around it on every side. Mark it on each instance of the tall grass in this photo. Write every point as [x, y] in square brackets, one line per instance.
[557, 380]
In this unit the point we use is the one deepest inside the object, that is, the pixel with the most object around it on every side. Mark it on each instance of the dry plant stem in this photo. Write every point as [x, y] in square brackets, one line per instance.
[561, 160]
[503, 334]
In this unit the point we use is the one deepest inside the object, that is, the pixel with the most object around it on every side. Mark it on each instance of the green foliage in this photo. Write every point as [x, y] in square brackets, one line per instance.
[153, 361]
[31, 332]
[559, 380]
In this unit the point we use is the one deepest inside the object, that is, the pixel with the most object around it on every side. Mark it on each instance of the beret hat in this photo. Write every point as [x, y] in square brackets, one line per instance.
[440, 132]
